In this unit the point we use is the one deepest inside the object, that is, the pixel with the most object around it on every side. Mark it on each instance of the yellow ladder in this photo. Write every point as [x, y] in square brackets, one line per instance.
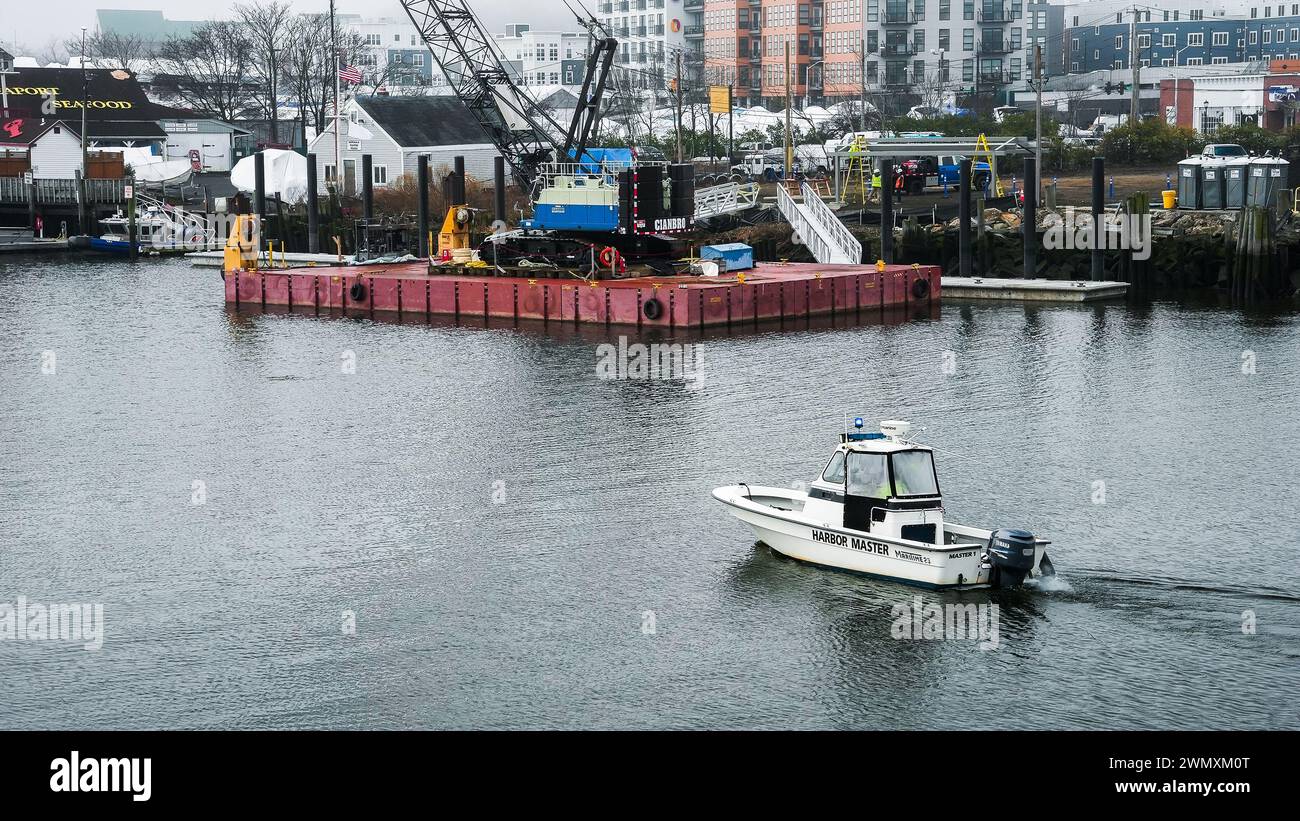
[857, 171]
[983, 149]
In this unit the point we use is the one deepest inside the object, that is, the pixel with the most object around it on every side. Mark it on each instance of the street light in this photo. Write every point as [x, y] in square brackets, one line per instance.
[808, 81]
[1176, 82]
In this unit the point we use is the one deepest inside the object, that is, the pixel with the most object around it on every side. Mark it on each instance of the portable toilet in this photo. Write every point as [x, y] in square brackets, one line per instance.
[1268, 176]
[1189, 183]
[1212, 183]
[1236, 173]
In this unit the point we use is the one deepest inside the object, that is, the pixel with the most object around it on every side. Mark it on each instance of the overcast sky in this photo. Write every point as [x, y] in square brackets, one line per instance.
[34, 24]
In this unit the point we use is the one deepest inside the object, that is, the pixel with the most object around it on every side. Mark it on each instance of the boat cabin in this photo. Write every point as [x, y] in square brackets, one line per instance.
[880, 483]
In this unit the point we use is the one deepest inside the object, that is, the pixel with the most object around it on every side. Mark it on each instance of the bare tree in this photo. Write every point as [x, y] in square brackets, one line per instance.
[267, 26]
[206, 70]
[58, 52]
[113, 49]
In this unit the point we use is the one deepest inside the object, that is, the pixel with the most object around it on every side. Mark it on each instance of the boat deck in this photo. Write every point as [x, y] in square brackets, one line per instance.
[768, 291]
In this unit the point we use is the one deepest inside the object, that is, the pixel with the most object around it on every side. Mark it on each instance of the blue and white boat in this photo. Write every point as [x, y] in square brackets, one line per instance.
[876, 508]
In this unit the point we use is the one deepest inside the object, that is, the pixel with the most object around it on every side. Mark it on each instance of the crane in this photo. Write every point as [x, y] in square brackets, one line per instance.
[525, 134]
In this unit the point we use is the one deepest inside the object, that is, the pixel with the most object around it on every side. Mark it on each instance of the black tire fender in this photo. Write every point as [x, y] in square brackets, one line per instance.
[921, 288]
[652, 308]
[357, 292]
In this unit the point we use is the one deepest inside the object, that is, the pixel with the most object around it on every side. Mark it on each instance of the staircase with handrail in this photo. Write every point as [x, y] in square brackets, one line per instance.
[816, 226]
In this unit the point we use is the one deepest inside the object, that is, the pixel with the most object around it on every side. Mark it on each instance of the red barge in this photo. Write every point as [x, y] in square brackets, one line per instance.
[767, 291]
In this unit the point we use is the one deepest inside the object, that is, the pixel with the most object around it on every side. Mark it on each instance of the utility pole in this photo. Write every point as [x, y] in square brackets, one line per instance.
[789, 147]
[1038, 121]
[677, 87]
[1133, 59]
[862, 121]
[338, 124]
[85, 155]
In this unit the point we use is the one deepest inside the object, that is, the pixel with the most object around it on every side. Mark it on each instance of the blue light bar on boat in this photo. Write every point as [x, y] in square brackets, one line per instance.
[863, 437]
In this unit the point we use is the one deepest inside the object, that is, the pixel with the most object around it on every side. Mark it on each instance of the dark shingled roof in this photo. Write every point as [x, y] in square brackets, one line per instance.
[415, 122]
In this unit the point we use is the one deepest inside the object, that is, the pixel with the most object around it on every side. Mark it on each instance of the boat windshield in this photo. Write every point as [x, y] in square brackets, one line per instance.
[914, 473]
[868, 476]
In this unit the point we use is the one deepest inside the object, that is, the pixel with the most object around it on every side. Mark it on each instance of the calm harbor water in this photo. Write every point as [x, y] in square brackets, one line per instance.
[503, 523]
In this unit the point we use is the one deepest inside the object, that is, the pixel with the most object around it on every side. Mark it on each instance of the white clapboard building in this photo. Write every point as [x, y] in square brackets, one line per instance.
[395, 131]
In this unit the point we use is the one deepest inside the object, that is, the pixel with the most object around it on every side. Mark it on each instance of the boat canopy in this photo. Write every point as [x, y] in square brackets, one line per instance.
[883, 473]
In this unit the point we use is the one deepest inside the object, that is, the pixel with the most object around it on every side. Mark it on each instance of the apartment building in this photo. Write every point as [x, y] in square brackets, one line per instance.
[544, 58]
[651, 35]
[908, 48]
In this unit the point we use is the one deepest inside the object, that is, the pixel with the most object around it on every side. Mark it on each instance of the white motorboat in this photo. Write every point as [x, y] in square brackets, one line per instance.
[876, 509]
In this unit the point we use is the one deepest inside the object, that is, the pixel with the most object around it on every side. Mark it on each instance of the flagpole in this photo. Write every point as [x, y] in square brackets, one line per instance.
[338, 126]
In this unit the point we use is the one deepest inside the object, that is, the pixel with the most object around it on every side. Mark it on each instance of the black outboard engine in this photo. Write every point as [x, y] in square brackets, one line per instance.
[1011, 552]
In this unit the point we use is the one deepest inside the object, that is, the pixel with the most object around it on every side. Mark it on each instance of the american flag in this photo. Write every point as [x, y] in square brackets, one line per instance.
[350, 74]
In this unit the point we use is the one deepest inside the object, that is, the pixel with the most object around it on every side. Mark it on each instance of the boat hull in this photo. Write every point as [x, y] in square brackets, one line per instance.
[774, 515]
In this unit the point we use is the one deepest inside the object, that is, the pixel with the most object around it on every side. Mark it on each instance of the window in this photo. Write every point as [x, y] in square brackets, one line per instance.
[834, 472]
[1295, 35]
[1218, 61]
[968, 70]
[1168, 61]
[914, 473]
[1074, 68]
[417, 59]
[380, 173]
[1144, 41]
[1194, 61]
[1220, 38]
[1197, 39]
[945, 9]
[1119, 44]
[968, 39]
[1168, 40]
[331, 173]
[945, 43]
[1074, 44]
[1268, 36]
[1254, 37]
[1096, 54]
[968, 10]
[868, 476]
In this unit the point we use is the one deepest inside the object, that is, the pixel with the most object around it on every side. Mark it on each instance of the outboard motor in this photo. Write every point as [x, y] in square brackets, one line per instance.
[1011, 552]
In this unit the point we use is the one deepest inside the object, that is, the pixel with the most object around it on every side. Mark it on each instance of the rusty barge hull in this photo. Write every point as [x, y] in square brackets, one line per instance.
[768, 291]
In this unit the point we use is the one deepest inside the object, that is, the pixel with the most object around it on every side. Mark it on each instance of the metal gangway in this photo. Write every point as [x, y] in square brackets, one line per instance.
[816, 226]
[728, 198]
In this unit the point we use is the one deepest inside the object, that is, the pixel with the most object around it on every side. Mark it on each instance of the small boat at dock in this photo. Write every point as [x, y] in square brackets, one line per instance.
[876, 509]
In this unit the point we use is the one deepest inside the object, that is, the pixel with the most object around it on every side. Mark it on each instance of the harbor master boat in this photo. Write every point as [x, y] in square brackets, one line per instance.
[876, 509]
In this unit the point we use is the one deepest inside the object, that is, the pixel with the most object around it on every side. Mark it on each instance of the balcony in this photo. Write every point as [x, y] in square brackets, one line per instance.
[898, 49]
[605, 8]
[995, 13]
[994, 47]
[639, 31]
[693, 5]
[994, 76]
[816, 23]
[899, 17]
[894, 79]
[694, 32]
[623, 6]
[657, 30]
[621, 32]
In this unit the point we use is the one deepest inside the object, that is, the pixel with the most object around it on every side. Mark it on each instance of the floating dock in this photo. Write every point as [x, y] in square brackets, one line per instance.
[217, 259]
[1032, 290]
[768, 291]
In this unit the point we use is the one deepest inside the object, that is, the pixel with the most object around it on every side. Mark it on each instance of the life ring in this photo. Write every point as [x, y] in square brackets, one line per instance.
[653, 308]
[609, 257]
[921, 288]
[357, 292]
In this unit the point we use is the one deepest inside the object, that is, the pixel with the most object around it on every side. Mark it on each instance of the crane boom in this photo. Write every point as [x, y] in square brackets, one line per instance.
[525, 134]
